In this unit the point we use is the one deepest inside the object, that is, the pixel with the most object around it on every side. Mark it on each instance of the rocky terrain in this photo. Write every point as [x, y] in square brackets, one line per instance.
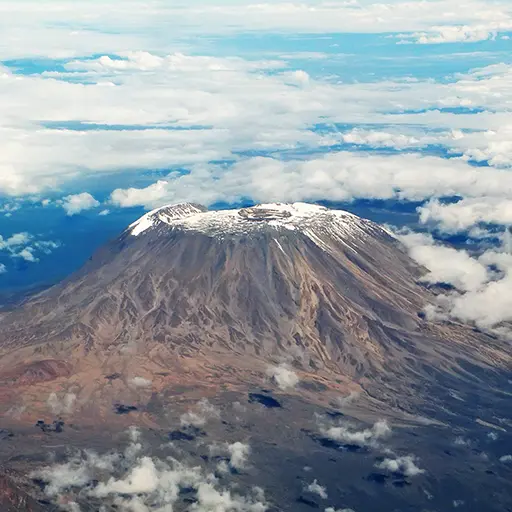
[303, 329]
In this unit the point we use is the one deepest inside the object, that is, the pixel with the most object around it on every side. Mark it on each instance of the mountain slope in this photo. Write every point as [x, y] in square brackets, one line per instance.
[187, 296]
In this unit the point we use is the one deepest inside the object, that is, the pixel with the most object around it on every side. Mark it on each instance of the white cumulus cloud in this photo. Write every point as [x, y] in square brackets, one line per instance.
[484, 282]
[315, 488]
[467, 213]
[405, 465]
[77, 203]
[283, 376]
[347, 433]
[238, 455]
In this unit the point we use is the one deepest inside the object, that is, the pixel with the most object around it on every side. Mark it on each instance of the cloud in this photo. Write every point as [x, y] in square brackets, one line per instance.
[46, 246]
[24, 246]
[488, 306]
[193, 419]
[3, 269]
[381, 139]
[198, 417]
[462, 33]
[153, 194]
[63, 476]
[62, 30]
[484, 282]
[283, 376]
[467, 213]
[140, 482]
[177, 62]
[338, 176]
[405, 465]
[134, 434]
[349, 399]
[218, 122]
[445, 264]
[347, 433]
[316, 488]
[27, 254]
[77, 203]
[14, 241]
[492, 146]
[9, 208]
[238, 455]
[140, 382]
[63, 404]
[143, 478]
[506, 459]
[209, 498]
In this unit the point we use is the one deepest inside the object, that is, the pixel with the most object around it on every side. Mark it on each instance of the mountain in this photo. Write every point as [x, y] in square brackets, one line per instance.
[187, 298]
[267, 358]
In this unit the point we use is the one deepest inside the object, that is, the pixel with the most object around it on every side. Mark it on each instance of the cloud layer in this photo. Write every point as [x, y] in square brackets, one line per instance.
[61, 30]
[80, 121]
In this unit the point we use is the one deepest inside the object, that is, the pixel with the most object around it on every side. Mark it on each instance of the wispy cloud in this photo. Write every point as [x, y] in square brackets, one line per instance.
[200, 414]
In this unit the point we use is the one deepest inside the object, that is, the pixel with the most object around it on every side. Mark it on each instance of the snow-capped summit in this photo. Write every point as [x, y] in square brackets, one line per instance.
[304, 217]
[165, 214]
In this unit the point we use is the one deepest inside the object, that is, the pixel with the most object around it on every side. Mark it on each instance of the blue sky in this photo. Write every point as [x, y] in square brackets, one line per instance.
[400, 111]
